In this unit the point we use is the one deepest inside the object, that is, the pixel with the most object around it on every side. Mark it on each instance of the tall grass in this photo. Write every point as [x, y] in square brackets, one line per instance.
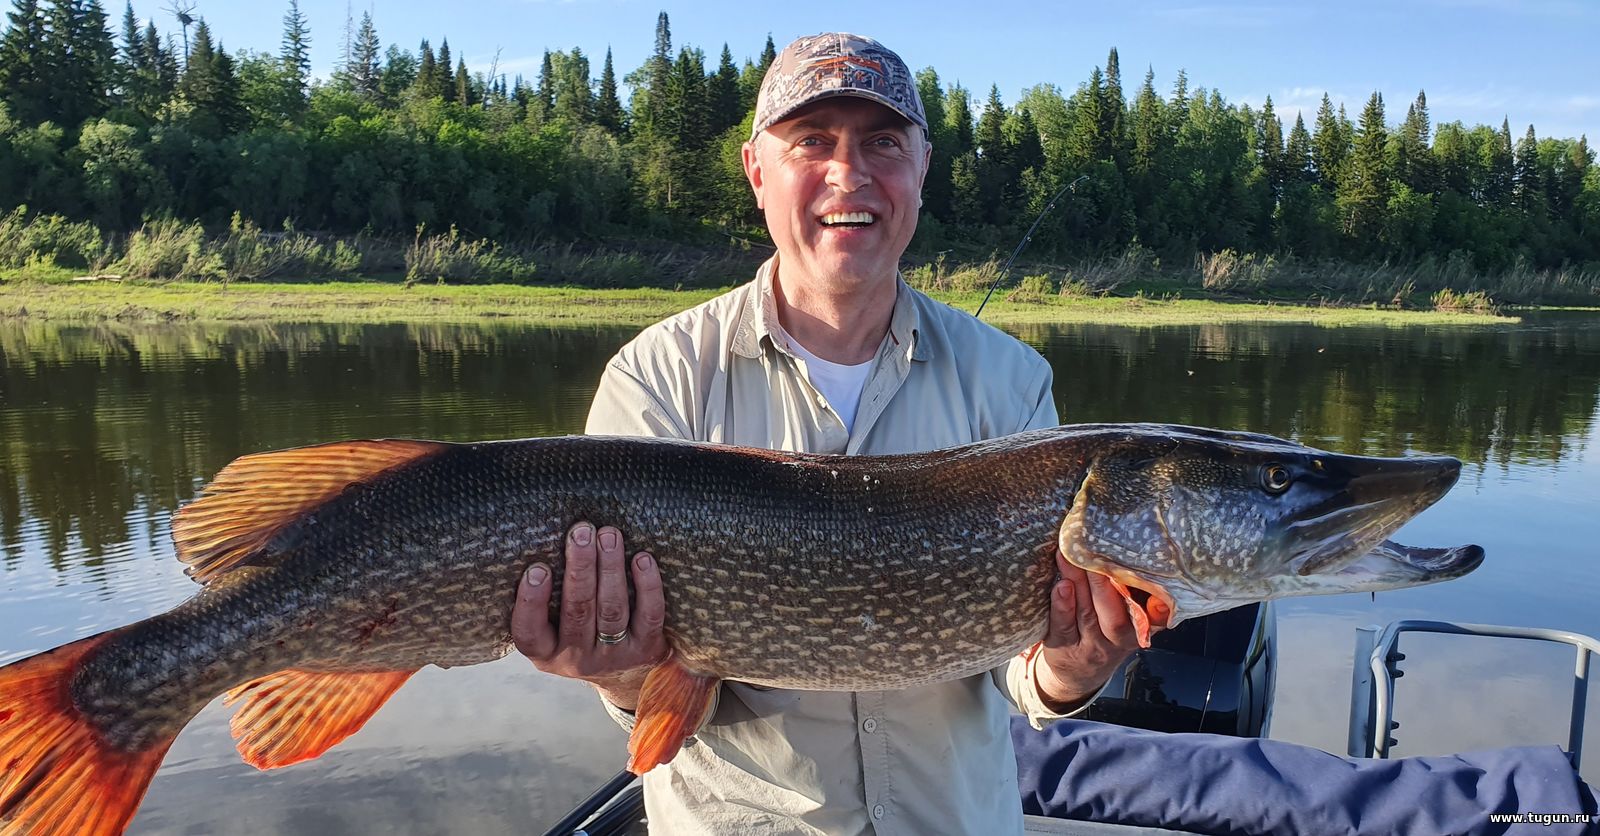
[34, 242]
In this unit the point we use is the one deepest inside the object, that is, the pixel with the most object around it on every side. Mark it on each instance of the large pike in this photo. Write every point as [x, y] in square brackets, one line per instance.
[332, 573]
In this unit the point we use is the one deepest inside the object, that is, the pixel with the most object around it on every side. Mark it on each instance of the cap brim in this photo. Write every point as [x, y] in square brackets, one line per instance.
[870, 95]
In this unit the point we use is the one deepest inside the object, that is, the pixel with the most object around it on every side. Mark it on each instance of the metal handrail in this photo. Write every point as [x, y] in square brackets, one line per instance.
[1372, 684]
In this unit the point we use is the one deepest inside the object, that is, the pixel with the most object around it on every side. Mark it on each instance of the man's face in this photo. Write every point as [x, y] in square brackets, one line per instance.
[840, 182]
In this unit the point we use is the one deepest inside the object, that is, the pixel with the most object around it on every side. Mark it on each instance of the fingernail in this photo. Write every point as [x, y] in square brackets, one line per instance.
[582, 535]
[537, 574]
[608, 540]
[644, 562]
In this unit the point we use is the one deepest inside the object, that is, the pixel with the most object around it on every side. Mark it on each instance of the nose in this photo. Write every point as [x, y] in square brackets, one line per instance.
[847, 171]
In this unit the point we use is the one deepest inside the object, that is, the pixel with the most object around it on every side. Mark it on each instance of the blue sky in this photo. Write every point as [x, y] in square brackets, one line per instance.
[1479, 60]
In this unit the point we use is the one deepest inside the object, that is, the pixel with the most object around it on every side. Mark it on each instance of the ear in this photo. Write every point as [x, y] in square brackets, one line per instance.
[752, 169]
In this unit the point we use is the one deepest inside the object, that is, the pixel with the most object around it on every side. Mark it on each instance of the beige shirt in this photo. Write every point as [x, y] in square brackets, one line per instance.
[936, 759]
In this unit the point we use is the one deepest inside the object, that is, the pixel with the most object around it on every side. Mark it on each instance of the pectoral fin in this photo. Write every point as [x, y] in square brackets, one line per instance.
[293, 715]
[672, 706]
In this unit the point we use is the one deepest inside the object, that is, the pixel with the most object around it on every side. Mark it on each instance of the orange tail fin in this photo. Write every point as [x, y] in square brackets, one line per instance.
[57, 774]
[673, 704]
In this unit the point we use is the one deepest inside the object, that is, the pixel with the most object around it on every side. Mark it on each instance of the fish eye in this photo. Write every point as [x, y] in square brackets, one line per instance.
[1275, 478]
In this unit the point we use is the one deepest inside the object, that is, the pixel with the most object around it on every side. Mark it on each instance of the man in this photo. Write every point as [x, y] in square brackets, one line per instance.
[827, 350]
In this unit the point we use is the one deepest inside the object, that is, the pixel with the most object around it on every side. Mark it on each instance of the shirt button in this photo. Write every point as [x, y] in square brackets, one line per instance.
[822, 402]
[869, 725]
[877, 812]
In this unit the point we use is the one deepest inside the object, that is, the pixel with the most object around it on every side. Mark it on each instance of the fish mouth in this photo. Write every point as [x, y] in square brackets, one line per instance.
[1377, 497]
[1391, 565]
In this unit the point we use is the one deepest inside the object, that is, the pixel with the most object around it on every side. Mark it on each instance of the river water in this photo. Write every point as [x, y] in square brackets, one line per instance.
[106, 430]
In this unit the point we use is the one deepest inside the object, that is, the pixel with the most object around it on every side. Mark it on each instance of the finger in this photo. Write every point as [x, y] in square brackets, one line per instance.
[611, 611]
[578, 588]
[531, 630]
[1063, 615]
[649, 605]
[1111, 612]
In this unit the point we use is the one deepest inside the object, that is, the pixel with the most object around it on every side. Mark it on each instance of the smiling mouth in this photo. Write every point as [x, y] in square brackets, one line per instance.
[848, 220]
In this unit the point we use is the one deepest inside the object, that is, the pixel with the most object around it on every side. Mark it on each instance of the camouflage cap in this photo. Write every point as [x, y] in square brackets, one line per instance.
[835, 64]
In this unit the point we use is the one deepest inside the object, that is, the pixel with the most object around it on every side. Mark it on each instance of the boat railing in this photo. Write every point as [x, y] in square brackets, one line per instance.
[1377, 666]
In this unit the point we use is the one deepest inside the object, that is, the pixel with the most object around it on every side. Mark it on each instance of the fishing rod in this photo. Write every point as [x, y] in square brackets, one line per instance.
[1072, 187]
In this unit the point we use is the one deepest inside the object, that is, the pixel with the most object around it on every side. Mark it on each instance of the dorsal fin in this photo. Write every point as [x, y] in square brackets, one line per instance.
[256, 496]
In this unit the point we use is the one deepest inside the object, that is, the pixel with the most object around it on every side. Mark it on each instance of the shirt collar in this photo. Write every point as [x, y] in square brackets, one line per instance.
[758, 318]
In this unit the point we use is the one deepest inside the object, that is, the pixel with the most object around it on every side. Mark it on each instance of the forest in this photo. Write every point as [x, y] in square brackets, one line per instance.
[158, 152]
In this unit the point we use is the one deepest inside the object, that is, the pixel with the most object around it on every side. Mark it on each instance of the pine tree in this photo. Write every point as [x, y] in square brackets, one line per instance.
[958, 116]
[1329, 147]
[936, 186]
[1297, 157]
[295, 53]
[657, 69]
[1413, 161]
[1499, 167]
[1364, 188]
[544, 95]
[754, 72]
[1529, 180]
[24, 72]
[365, 71]
[1271, 151]
[1113, 108]
[723, 90]
[209, 86]
[462, 84]
[426, 86]
[993, 168]
[1088, 142]
[80, 58]
[608, 107]
[443, 74]
[1149, 126]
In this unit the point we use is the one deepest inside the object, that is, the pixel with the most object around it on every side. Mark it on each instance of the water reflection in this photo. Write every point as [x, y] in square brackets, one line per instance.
[107, 430]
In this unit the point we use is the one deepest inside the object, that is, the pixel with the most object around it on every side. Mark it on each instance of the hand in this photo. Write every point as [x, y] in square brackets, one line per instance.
[594, 600]
[1090, 633]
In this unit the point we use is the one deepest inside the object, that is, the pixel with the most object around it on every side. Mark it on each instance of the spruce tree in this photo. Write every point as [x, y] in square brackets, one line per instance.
[24, 73]
[608, 107]
[444, 73]
[1088, 141]
[210, 88]
[751, 77]
[936, 187]
[1329, 147]
[657, 69]
[1148, 126]
[1112, 108]
[1364, 188]
[295, 52]
[1499, 166]
[365, 70]
[426, 85]
[1271, 151]
[1297, 156]
[723, 90]
[958, 116]
[544, 95]
[1528, 183]
[462, 84]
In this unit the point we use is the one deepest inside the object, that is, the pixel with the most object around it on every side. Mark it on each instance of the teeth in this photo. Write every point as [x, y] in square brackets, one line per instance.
[847, 218]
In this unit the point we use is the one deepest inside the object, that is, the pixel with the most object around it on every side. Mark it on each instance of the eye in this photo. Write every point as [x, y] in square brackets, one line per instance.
[1275, 478]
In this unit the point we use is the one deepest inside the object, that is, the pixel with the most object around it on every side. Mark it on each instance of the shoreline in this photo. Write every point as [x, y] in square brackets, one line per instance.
[376, 301]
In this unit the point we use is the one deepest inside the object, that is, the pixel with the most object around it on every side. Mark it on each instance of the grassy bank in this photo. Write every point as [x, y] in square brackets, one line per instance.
[395, 302]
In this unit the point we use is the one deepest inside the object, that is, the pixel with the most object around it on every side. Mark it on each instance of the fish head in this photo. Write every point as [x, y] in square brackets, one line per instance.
[1188, 521]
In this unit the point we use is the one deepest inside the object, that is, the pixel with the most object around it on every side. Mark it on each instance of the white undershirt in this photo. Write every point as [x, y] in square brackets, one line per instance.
[839, 383]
